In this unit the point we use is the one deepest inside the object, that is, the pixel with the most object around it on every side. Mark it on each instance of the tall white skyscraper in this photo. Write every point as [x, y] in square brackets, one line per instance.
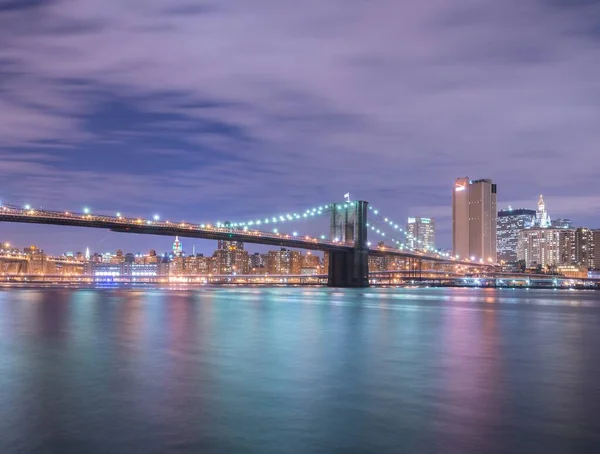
[542, 218]
[474, 219]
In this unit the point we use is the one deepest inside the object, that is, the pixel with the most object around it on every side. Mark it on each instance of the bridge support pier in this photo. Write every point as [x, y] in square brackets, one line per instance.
[349, 268]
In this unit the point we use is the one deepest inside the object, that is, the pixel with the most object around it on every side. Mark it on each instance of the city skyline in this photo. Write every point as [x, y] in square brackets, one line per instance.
[197, 134]
[139, 243]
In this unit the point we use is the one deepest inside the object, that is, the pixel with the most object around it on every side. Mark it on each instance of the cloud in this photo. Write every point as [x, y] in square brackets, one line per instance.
[237, 105]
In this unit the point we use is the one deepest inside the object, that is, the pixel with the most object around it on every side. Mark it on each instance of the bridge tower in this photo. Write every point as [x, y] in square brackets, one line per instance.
[349, 224]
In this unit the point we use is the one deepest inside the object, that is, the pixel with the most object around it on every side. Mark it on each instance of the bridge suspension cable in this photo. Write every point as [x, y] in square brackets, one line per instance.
[279, 218]
[398, 235]
[403, 241]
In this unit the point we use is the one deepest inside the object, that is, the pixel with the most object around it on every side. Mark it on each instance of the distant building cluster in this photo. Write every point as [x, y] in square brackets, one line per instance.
[518, 238]
[530, 239]
[230, 258]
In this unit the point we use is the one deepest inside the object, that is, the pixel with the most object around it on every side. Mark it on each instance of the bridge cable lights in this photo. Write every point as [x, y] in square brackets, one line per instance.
[287, 217]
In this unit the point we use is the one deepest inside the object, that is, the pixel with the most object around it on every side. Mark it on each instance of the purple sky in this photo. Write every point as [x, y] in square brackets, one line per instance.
[233, 108]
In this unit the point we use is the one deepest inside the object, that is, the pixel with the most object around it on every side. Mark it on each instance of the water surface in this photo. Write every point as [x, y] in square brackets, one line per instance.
[299, 370]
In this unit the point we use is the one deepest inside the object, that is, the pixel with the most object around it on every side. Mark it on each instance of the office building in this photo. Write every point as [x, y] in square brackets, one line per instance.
[562, 223]
[474, 219]
[509, 223]
[420, 234]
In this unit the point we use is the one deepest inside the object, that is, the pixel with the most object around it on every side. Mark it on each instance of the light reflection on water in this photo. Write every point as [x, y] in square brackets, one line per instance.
[299, 370]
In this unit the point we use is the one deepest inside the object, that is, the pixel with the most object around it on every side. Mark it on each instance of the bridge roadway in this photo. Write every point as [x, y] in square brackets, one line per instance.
[11, 213]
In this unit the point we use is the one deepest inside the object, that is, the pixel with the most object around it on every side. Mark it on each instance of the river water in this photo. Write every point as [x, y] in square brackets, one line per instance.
[299, 370]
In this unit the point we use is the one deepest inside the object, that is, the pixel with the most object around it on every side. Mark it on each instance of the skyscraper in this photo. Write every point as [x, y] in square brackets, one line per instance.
[542, 218]
[177, 247]
[474, 219]
[510, 223]
[420, 233]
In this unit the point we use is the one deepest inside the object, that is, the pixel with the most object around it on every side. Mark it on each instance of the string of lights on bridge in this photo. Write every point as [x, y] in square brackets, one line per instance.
[400, 243]
[279, 219]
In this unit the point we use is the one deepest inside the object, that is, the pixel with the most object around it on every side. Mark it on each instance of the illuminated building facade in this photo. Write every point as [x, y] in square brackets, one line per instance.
[311, 264]
[231, 258]
[420, 233]
[177, 247]
[284, 261]
[129, 269]
[546, 247]
[542, 218]
[562, 223]
[474, 219]
[198, 264]
[587, 253]
[509, 223]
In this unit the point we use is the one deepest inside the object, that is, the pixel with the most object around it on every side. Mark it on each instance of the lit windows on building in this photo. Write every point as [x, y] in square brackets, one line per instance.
[509, 223]
[546, 247]
[284, 261]
[585, 248]
[474, 219]
[420, 233]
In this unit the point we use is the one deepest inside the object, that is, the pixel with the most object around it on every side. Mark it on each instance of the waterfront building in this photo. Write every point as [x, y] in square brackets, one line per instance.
[230, 258]
[36, 260]
[125, 269]
[420, 233]
[311, 264]
[546, 247]
[377, 263]
[118, 258]
[586, 248]
[474, 219]
[508, 225]
[284, 261]
[177, 266]
[596, 262]
[198, 265]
